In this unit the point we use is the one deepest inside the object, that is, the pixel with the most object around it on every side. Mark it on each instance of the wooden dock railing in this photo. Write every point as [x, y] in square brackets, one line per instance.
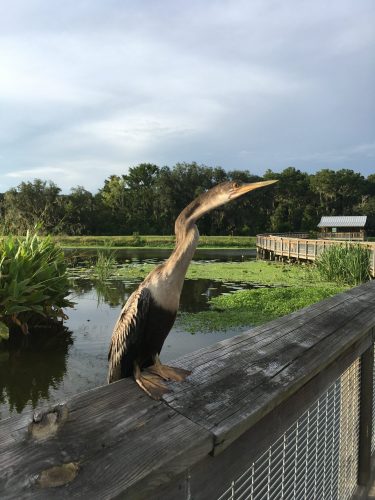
[302, 249]
[283, 411]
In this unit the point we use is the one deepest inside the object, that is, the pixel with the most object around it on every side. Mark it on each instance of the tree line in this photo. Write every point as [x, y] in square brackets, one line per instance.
[148, 199]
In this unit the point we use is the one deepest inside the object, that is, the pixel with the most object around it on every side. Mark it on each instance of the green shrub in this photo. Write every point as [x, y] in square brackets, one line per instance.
[33, 282]
[349, 264]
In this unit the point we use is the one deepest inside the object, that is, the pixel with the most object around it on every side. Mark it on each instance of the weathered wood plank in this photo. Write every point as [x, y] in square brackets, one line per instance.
[234, 460]
[274, 328]
[281, 332]
[229, 393]
[114, 441]
[120, 441]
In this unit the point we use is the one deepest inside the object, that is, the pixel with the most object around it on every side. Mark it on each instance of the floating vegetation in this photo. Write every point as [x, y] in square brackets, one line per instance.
[255, 306]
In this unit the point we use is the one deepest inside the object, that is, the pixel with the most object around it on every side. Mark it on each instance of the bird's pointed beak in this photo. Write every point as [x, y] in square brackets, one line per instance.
[245, 188]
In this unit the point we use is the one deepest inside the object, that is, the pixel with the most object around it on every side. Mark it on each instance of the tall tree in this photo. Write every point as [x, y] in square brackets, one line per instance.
[32, 204]
[113, 211]
[291, 196]
[79, 212]
[140, 185]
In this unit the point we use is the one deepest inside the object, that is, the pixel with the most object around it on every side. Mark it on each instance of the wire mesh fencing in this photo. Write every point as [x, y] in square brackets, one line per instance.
[317, 457]
[373, 409]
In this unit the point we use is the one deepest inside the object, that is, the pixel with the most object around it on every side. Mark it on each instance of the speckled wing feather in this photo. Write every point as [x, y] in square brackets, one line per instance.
[128, 329]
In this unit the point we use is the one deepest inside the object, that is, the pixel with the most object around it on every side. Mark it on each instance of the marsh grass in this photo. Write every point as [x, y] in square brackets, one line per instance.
[104, 265]
[33, 282]
[150, 241]
[346, 264]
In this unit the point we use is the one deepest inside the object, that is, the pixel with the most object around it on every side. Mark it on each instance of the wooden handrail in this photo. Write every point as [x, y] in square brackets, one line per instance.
[114, 441]
[312, 248]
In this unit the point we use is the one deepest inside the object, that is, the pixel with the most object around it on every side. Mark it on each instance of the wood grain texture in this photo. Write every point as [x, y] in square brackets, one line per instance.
[232, 387]
[238, 457]
[115, 442]
[123, 443]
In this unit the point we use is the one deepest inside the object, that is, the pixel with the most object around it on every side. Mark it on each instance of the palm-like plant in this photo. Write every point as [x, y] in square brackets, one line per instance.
[33, 282]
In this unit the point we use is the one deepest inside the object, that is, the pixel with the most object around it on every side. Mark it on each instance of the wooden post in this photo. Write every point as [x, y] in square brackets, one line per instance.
[365, 418]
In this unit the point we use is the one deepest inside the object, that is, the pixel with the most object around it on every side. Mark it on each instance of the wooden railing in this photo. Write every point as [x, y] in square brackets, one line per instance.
[286, 407]
[351, 236]
[284, 247]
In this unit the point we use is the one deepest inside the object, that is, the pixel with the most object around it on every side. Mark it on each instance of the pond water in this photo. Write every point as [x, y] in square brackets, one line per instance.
[51, 367]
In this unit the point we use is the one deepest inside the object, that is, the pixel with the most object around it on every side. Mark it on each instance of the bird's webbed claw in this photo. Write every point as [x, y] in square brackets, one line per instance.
[168, 372]
[150, 383]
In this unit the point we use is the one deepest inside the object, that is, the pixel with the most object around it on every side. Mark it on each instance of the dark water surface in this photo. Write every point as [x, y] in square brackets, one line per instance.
[52, 367]
[156, 255]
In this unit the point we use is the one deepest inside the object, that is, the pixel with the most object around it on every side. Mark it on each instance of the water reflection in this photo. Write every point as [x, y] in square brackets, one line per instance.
[195, 294]
[156, 255]
[114, 292]
[47, 367]
[31, 365]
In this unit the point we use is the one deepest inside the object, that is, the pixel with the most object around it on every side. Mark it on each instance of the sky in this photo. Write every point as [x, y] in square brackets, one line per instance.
[89, 88]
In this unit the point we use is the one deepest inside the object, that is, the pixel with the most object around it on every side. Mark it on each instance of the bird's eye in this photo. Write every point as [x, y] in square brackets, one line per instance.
[235, 185]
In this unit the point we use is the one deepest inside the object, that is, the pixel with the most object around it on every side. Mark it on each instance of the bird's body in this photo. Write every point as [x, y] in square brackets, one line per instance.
[150, 312]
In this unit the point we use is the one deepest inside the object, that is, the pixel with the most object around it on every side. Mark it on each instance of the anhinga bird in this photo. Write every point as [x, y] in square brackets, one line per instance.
[149, 314]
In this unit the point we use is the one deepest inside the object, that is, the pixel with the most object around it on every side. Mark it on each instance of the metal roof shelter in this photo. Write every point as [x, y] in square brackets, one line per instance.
[343, 221]
[343, 227]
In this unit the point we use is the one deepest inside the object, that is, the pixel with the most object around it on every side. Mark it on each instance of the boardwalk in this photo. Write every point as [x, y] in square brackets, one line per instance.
[286, 247]
[282, 411]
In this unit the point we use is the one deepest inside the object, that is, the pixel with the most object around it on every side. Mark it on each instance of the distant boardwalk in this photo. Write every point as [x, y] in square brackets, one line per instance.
[273, 246]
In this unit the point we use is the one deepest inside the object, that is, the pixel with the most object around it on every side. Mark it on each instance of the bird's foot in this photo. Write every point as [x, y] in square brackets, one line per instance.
[151, 384]
[168, 372]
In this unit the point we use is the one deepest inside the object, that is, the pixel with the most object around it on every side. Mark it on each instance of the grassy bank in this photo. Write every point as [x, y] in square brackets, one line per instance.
[140, 241]
[290, 287]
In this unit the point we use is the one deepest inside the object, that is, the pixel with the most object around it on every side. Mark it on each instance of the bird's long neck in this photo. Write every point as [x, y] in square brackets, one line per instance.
[187, 236]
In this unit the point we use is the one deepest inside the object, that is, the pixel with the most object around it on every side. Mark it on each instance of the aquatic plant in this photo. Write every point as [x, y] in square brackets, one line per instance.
[104, 265]
[349, 264]
[33, 282]
[255, 306]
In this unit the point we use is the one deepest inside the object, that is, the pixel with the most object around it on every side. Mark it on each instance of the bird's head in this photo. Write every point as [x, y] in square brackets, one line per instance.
[220, 195]
[230, 190]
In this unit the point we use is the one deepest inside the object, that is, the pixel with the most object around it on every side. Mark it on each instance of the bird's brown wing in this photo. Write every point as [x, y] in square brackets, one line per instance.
[128, 330]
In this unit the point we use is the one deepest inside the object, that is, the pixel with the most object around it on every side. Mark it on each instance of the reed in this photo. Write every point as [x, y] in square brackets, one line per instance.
[137, 240]
[104, 265]
[346, 264]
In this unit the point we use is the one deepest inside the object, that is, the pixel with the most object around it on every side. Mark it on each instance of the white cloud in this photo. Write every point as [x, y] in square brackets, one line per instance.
[112, 84]
[36, 172]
